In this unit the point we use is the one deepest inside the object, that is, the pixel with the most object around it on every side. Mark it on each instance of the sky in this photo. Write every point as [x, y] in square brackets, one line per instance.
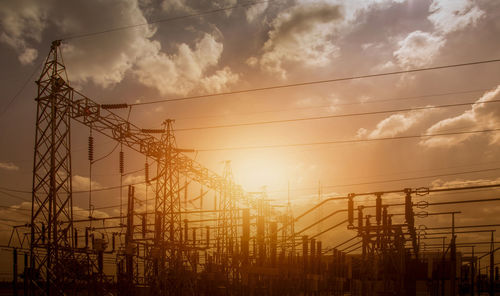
[195, 48]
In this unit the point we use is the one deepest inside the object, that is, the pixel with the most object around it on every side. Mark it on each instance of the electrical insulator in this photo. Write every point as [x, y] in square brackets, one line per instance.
[91, 148]
[114, 106]
[350, 211]
[122, 162]
[146, 172]
[378, 209]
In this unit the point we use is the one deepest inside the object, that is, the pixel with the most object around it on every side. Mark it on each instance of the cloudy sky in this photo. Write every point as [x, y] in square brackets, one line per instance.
[267, 43]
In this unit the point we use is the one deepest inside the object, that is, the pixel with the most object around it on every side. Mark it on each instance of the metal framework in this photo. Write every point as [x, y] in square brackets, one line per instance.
[51, 214]
[232, 265]
[51, 223]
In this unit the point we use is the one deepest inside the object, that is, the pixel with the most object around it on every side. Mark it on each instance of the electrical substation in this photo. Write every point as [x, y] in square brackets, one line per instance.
[206, 236]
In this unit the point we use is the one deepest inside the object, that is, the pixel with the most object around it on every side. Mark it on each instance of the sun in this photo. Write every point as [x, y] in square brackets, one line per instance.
[261, 170]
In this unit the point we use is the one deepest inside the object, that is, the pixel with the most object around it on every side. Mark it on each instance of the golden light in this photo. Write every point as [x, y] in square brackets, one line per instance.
[263, 168]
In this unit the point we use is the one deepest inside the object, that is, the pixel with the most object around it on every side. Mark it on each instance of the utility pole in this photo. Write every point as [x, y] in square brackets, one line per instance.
[453, 256]
[14, 272]
[492, 265]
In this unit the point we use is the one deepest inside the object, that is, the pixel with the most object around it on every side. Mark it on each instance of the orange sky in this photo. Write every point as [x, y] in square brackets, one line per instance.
[268, 44]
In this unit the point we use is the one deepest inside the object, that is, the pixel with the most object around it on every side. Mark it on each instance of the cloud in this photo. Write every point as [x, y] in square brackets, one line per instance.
[197, 6]
[309, 32]
[479, 116]
[418, 49]
[81, 213]
[186, 70]
[106, 59]
[394, 125]
[302, 34]
[9, 166]
[218, 82]
[439, 183]
[22, 23]
[453, 15]
[256, 10]
[81, 183]
[175, 5]
[116, 53]
[28, 56]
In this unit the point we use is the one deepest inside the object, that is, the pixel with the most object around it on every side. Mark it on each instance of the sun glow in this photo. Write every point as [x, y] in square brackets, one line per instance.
[269, 169]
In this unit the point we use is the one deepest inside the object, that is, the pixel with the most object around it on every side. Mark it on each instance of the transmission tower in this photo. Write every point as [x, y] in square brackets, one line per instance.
[227, 231]
[51, 211]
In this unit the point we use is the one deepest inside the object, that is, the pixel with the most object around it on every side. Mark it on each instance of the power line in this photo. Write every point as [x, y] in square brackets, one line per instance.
[308, 144]
[308, 188]
[342, 185]
[394, 180]
[331, 116]
[15, 190]
[341, 104]
[176, 18]
[14, 209]
[346, 141]
[13, 195]
[314, 82]
[18, 93]
[415, 178]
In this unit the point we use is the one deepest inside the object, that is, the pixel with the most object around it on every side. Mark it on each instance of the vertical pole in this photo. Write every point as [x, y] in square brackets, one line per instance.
[14, 273]
[245, 239]
[260, 239]
[492, 266]
[26, 274]
[208, 236]
[186, 231]
[453, 257]
[274, 242]
[472, 272]
[442, 270]
[312, 258]
[100, 261]
[129, 237]
[185, 195]
[305, 253]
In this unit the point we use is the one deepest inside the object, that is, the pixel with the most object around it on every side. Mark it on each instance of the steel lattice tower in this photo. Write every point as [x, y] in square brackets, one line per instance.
[51, 214]
[168, 224]
[227, 224]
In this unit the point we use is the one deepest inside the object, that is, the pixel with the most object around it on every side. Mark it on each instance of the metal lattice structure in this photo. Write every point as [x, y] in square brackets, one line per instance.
[159, 256]
[51, 218]
[227, 229]
[52, 228]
